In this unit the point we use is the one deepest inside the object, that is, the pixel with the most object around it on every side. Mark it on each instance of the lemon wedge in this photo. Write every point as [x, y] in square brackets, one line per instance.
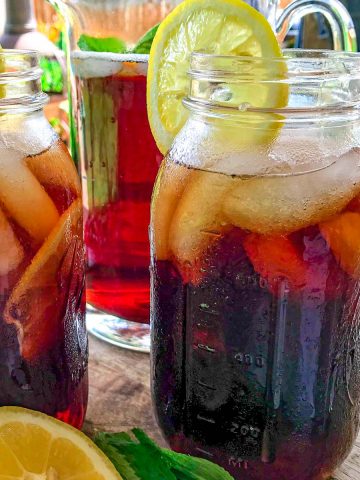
[34, 446]
[221, 27]
[39, 294]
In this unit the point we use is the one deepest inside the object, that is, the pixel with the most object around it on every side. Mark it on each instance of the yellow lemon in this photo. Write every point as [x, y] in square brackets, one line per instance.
[221, 27]
[34, 446]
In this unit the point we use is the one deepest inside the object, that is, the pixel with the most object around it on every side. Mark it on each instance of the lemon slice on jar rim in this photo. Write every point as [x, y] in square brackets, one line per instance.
[35, 446]
[219, 27]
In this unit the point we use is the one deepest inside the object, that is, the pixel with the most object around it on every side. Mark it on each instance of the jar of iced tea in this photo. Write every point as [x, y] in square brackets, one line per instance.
[256, 267]
[43, 340]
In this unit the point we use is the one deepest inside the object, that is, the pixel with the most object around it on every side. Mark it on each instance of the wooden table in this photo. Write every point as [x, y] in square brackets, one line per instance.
[120, 398]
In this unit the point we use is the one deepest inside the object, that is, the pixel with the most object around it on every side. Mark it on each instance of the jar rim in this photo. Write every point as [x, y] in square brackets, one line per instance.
[20, 82]
[325, 60]
[306, 81]
[18, 51]
[297, 53]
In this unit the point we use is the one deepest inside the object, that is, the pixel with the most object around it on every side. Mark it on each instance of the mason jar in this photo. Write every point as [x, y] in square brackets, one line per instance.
[43, 340]
[255, 239]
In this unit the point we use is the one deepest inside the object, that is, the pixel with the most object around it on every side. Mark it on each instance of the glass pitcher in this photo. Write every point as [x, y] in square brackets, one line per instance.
[118, 157]
[281, 19]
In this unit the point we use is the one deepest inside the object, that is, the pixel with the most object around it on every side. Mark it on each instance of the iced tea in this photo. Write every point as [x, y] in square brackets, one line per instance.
[120, 162]
[256, 356]
[255, 239]
[43, 341]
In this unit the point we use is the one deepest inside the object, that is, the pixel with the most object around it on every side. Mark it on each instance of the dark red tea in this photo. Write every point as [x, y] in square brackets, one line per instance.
[43, 339]
[122, 161]
[256, 352]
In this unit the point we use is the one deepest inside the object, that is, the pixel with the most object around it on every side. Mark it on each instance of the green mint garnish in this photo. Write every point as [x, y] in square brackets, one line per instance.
[94, 44]
[145, 42]
[116, 45]
[137, 457]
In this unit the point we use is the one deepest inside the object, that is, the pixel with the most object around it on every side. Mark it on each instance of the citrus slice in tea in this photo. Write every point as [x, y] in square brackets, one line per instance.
[39, 294]
[221, 27]
[55, 168]
[342, 233]
[35, 446]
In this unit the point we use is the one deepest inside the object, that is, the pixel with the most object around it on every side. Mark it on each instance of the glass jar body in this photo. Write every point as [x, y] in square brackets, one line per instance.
[43, 339]
[255, 352]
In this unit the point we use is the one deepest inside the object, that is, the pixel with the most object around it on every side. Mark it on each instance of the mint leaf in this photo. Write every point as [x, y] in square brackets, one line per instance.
[138, 455]
[94, 44]
[116, 458]
[193, 468]
[116, 45]
[134, 455]
[145, 42]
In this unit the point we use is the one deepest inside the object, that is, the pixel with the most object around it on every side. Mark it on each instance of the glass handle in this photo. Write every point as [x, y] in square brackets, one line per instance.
[342, 26]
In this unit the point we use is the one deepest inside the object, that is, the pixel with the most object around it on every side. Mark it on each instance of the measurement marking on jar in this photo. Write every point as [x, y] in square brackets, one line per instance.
[205, 419]
[248, 359]
[245, 430]
[205, 385]
[206, 309]
[207, 348]
[204, 451]
[238, 463]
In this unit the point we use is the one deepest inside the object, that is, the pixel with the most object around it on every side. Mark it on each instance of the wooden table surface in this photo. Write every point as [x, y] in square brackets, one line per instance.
[120, 398]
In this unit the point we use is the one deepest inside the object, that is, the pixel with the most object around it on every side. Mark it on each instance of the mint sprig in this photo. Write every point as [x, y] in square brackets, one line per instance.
[145, 42]
[137, 457]
[116, 45]
[95, 44]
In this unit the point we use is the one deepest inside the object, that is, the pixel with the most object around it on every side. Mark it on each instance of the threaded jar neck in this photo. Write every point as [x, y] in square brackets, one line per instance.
[20, 82]
[300, 84]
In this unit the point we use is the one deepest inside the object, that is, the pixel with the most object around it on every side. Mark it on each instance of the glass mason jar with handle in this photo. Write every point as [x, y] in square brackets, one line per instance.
[43, 339]
[119, 160]
[256, 267]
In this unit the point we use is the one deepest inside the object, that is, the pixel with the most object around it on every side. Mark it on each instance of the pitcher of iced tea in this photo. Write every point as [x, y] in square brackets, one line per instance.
[118, 159]
[43, 339]
[256, 267]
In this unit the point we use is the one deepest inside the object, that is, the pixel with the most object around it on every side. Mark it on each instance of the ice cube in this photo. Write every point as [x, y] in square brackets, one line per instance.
[198, 220]
[24, 198]
[11, 250]
[283, 204]
[29, 135]
[168, 189]
[55, 167]
[106, 64]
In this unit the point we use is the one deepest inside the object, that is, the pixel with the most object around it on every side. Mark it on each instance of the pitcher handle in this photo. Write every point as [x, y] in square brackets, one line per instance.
[341, 23]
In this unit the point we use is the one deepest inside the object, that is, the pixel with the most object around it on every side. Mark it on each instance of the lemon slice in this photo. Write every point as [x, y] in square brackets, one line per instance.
[222, 27]
[34, 446]
[37, 300]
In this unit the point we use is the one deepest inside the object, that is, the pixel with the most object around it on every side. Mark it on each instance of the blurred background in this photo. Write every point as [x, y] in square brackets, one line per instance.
[317, 27]
[34, 24]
